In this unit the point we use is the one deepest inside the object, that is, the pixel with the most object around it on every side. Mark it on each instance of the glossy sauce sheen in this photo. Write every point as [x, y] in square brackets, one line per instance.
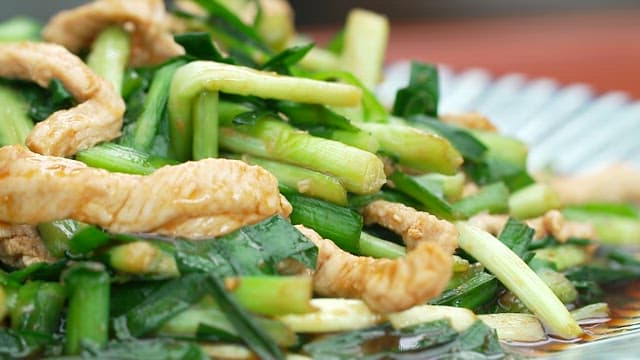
[624, 307]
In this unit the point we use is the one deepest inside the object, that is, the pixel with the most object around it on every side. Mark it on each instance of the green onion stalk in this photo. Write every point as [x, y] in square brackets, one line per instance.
[202, 76]
[110, 54]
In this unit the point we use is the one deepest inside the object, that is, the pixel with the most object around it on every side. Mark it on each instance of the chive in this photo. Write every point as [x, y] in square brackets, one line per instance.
[307, 182]
[253, 335]
[88, 311]
[208, 322]
[502, 147]
[365, 43]
[155, 104]
[274, 295]
[342, 225]
[479, 289]
[431, 202]
[56, 235]
[359, 171]
[373, 246]
[37, 307]
[119, 158]
[493, 198]
[533, 200]
[110, 54]
[520, 279]
[87, 239]
[205, 125]
[142, 258]
[16, 124]
[415, 148]
[452, 185]
[199, 76]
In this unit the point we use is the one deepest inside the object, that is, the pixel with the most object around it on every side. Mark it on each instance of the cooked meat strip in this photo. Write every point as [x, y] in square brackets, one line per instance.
[414, 226]
[384, 285]
[20, 245]
[146, 20]
[469, 120]
[551, 223]
[97, 117]
[196, 199]
[616, 183]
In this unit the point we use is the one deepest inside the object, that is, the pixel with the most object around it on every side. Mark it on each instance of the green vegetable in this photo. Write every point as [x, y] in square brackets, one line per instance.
[56, 235]
[533, 200]
[342, 225]
[361, 172]
[110, 54]
[15, 344]
[519, 278]
[564, 256]
[208, 322]
[307, 182]
[421, 96]
[364, 45]
[252, 334]
[517, 236]
[142, 258]
[198, 45]
[38, 307]
[87, 239]
[559, 284]
[16, 124]
[251, 250]
[282, 62]
[88, 311]
[168, 349]
[332, 315]
[119, 158]
[199, 76]
[491, 169]
[429, 340]
[430, 201]
[274, 295]
[415, 148]
[463, 140]
[155, 104]
[503, 148]
[373, 246]
[205, 125]
[480, 289]
[492, 198]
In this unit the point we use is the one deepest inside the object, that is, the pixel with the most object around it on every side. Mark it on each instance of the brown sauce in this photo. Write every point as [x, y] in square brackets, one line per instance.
[624, 308]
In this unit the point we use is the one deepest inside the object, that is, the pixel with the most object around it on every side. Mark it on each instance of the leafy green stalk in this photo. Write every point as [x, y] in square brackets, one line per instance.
[516, 276]
[252, 334]
[365, 44]
[472, 293]
[373, 246]
[451, 185]
[205, 125]
[16, 124]
[88, 311]
[87, 239]
[110, 54]
[493, 198]
[274, 295]
[199, 76]
[462, 139]
[421, 96]
[504, 148]
[415, 148]
[430, 201]
[56, 235]
[361, 172]
[119, 158]
[533, 200]
[142, 258]
[307, 182]
[340, 224]
[38, 307]
[564, 256]
[208, 322]
[155, 104]
[615, 224]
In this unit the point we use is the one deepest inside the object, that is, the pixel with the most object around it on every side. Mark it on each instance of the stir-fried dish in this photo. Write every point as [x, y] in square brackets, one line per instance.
[203, 181]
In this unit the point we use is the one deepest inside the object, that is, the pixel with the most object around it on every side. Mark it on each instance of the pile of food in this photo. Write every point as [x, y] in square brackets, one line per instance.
[205, 182]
